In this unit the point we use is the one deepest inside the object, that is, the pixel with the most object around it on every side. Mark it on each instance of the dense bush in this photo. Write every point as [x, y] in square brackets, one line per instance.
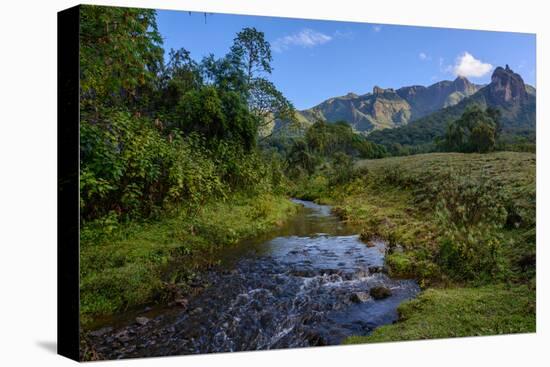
[342, 169]
[470, 211]
[128, 167]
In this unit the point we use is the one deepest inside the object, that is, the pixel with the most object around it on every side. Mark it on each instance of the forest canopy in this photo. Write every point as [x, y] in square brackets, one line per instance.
[155, 132]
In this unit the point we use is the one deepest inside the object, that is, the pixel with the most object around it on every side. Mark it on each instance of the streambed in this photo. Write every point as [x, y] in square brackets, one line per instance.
[303, 284]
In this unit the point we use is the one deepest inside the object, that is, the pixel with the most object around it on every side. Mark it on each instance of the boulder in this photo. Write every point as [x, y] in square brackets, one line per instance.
[142, 320]
[101, 332]
[359, 297]
[380, 292]
[377, 269]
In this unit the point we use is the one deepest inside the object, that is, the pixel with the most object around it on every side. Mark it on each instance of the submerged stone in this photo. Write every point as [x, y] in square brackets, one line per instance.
[380, 292]
[359, 297]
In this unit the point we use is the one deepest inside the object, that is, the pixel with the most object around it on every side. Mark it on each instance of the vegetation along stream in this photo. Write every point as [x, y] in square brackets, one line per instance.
[310, 282]
[187, 162]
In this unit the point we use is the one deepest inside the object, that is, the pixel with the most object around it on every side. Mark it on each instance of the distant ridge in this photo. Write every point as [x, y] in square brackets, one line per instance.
[389, 108]
[506, 91]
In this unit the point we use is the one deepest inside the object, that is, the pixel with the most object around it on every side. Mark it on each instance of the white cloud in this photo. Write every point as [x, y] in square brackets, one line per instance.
[377, 28]
[305, 38]
[468, 66]
[423, 56]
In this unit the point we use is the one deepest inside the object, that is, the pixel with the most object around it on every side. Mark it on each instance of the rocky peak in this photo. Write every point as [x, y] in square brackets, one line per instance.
[377, 91]
[507, 86]
[461, 84]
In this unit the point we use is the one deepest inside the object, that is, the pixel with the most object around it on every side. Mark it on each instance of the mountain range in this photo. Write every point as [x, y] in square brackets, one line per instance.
[414, 115]
[389, 108]
[507, 92]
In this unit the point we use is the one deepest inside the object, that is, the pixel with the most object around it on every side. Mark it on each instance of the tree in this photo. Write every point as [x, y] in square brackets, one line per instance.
[217, 115]
[342, 168]
[326, 139]
[252, 50]
[269, 105]
[251, 53]
[120, 56]
[300, 159]
[180, 75]
[225, 73]
[475, 131]
[482, 138]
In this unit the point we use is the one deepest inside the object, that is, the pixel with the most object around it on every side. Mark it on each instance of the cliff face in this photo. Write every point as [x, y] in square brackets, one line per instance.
[388, 108]
[507, 87]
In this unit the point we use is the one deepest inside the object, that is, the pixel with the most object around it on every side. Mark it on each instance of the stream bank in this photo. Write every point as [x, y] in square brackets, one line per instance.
[307, 283]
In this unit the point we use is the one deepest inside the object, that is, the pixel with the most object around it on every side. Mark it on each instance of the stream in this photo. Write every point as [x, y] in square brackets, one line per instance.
[303, 284]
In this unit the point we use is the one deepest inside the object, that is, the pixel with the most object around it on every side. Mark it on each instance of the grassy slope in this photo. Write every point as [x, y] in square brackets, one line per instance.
[390, 200]
[130, 266]
[457, 312]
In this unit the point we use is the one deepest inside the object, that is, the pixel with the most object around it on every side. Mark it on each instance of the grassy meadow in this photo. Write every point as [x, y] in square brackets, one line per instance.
[463, 225]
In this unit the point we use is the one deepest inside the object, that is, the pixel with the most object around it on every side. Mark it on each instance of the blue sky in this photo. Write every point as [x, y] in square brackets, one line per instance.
[314, 60]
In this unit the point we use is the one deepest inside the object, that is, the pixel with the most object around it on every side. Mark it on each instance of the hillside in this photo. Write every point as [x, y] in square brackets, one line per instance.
[507, 92]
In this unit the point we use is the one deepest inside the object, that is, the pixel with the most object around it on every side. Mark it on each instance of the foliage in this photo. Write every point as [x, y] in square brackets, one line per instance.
[475, 131]
[181, 74]
[129, 168]
[328, 138]
[454, 216]
[342, 169]
[269, 105]
[470, 211]
[300, 159]
[216, 115]
[253, 52]
[120, 55]
[156, 136]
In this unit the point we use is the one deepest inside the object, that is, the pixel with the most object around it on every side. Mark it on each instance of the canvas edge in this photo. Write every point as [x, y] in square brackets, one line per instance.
[68, 211]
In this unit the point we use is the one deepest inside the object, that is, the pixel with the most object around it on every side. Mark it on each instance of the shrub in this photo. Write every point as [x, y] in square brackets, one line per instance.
[342, 169]
[470, 211]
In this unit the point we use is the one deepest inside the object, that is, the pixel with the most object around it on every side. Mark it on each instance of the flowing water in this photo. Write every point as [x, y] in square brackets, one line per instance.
[297, 286]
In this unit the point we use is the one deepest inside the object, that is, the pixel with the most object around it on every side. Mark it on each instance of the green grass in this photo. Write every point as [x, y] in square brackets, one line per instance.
[516, 170]
[463, 225]
[397, 199]
[126, 265]
[458, 312]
